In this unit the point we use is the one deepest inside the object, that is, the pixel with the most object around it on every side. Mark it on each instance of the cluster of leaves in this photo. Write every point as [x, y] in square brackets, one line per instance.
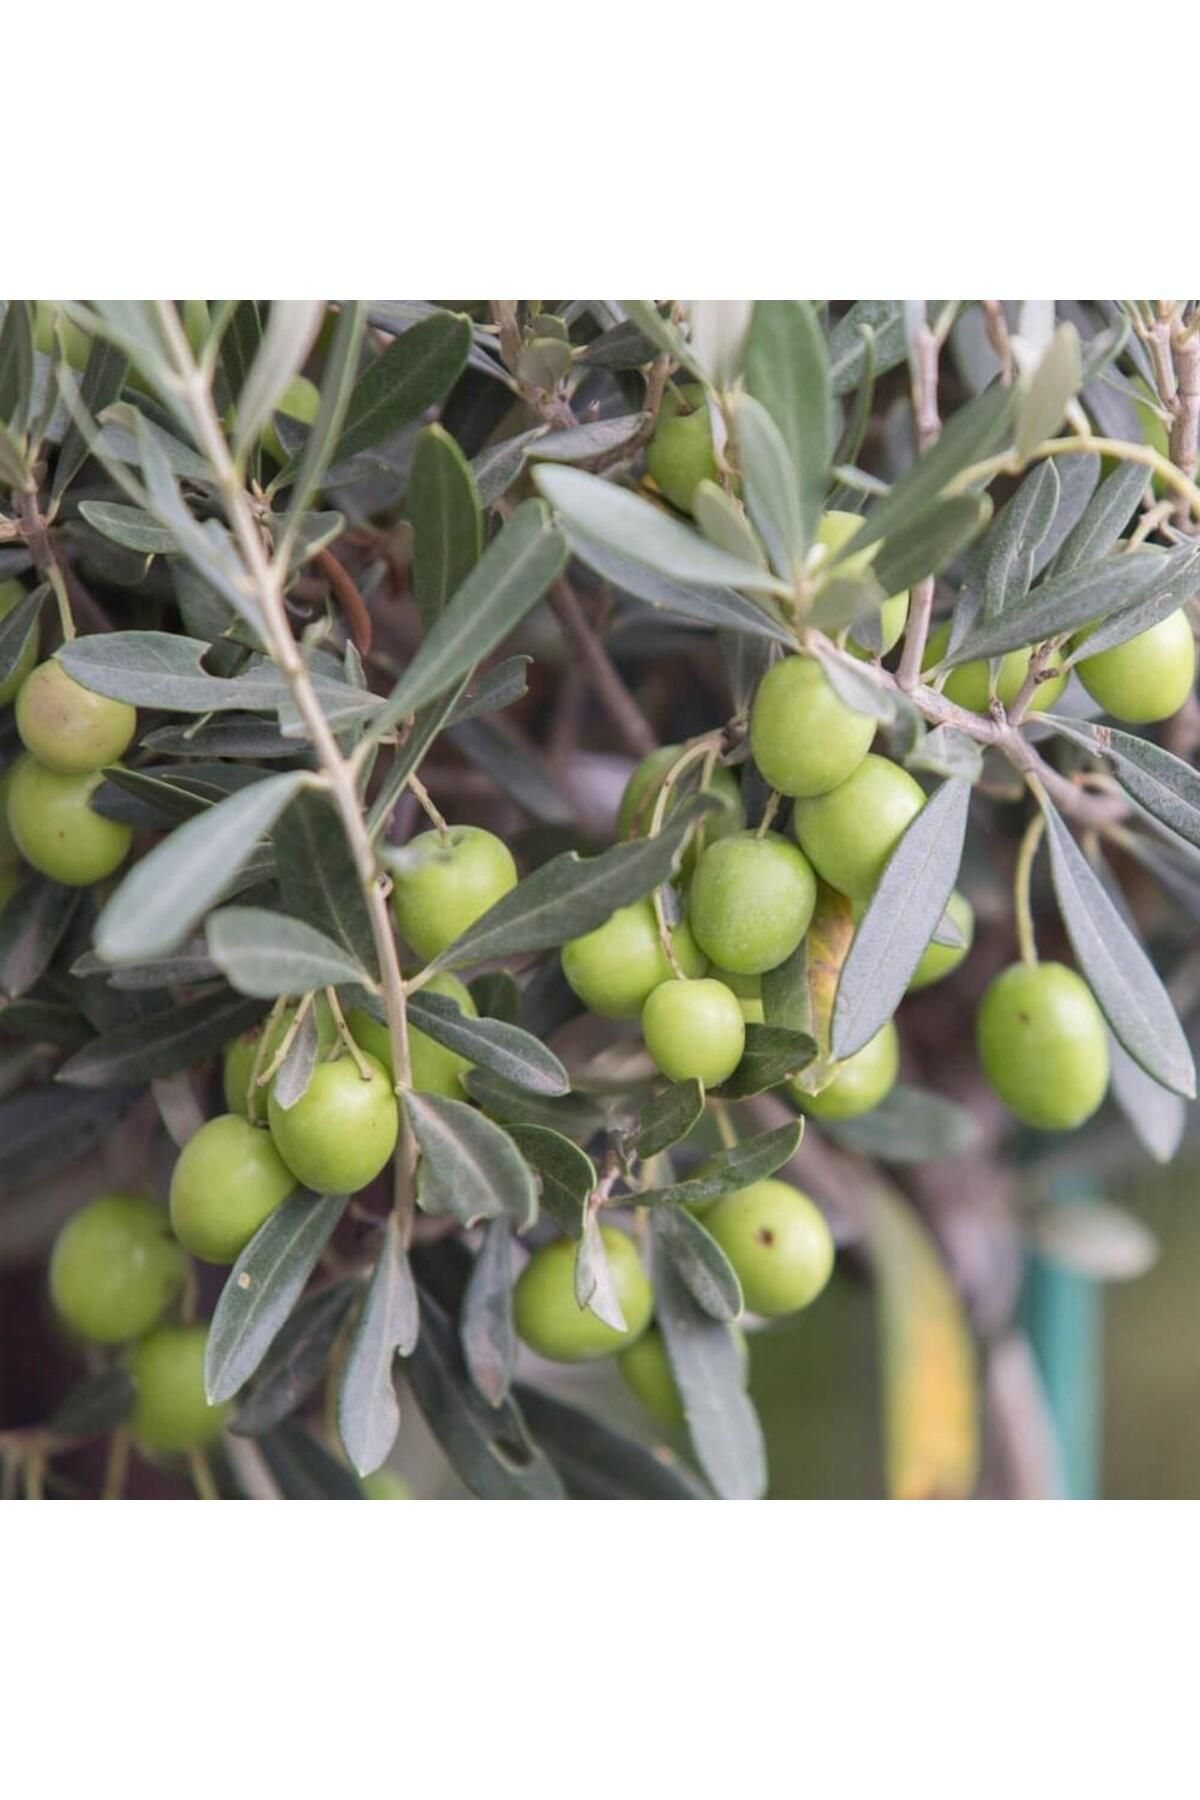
[248, 891]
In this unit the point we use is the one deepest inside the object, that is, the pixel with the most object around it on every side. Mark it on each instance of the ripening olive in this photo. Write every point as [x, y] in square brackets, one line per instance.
[12, 594]
[849, 834]
[342, 1130]
[939, 960]
[778, 1242]
[694, 1028]
[115, 1268]
[227, 1182]
[804, 738]
[1043, 1045]
[680, 453]
[443, 885]
[68, 727]
[170, 1409]
[1148, 677]
[56, 830]
[550, 1319]
[615, 968]
[751, 901]
[968, 685]
[860, 1082]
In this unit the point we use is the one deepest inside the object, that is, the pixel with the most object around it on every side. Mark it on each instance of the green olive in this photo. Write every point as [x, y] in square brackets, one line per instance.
[342, 1130]
[228, 1181]
[778, 1242]
[615, 968]
[550, 1319]
[849, 834]
[751, 901]
[56, 830]
[1043, 1045]
[940, 960]
[969, 685]
[170, 1409]
[1148, 677]
[240, 1055]
[435, 1070]
[442, 885]
[861, 1080]
[68, 727]
[694, 1029]
[805, 739]
[680, 453]
[115, 1268]
[836, 530]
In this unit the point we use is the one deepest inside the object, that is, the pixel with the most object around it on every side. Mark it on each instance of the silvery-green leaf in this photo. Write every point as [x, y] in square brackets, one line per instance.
[1009, 551]
[492, 1044]
[1120, 974]
[296, 1361]
[846, 345]
[669, 1117]
[337, 386]
[945, 751]
[1158, 1117]
[571, 895]
[772, 1053]
[580, 443]
[17, 628]
[160, 1043]
[268, 954]
[1167, 787]
[32, 925]
[470, 1169]
[706, 1362]
[568, 1175]
[263, 1287]
[700, 1263]
[508, 580]
[130, 526]
[772, 493]
[295, 1071]
[1104, 518]
[714, 606]
[728, 1170]
[447, 521]
[603, 510]
[723, 521]
[924, 543]
[166, 894]
[486, 1328]
[787, 372]
[1143, 616]
[368, 1413]
[903, 914]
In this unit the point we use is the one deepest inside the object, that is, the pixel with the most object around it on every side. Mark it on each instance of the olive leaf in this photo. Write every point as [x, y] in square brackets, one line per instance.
[486, 1328]
[368, 1413]
[470, 1169]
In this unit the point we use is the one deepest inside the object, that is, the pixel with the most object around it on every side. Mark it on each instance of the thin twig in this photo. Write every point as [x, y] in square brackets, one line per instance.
[354, 607]
[928, 426]
[635, 729]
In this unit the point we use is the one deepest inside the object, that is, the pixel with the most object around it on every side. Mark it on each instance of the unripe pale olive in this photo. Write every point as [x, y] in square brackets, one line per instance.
[939, 960]
[342, 1130]
[56, 830]
[241, 1054]
[680, 453]
[751, 901]
[694, 1028]
[1043, 1045]
[66, 726]
[12, 594]
[967, 686]
[616, 968]
[849, 834]
[550, 1319]
[115, 1268]
[778, 1242]
[170, 1411]
[835, 530]
[1146, 678]
[861, 1081]
[435, 1070]
[804, 738]
[227, 1182]
[442, 887]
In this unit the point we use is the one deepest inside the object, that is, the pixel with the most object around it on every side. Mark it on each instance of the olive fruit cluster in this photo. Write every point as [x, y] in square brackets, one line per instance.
[776, 1240]
[70, 735]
